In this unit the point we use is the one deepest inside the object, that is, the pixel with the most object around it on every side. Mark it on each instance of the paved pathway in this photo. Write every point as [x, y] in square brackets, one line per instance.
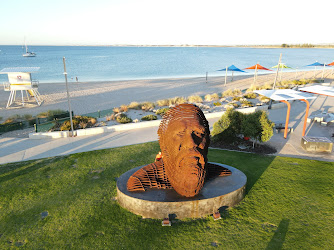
[21, 149]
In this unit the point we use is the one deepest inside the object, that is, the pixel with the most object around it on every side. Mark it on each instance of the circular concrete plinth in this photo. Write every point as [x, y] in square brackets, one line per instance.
[159, 203]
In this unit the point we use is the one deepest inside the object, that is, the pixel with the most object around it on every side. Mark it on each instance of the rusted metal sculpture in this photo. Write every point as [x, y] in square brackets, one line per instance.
[184, 138]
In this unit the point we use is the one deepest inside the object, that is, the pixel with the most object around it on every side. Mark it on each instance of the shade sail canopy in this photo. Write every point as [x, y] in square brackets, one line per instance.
[232, 68]
[19, 69]
[320, 90]
[284, 94]
[316, 64]
[330, 64]
[258, 67]
[282, 66]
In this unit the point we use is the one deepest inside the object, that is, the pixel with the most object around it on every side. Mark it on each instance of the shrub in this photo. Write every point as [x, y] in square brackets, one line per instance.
[217, 104]
[227, 93]
[250, 95]
[246, 103]
[195, 99]
[51, 113]
[236, 98]
[257, 126]
[123, 108]
[123, 118]
[252, 88]
[116, 110]
[162, 111]
[112, 117]
[147, 106]
[79, 122]
[228, 127]
[149, 118]
[212, 97]
[134, 105]
[27, 116]
[162, 103]
[177, 100]
[237, 92]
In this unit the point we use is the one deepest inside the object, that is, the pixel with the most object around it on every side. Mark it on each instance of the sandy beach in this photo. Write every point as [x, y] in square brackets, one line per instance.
[89, 97]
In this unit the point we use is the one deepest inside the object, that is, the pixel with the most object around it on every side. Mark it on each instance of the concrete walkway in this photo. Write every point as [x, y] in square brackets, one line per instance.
[22, 149]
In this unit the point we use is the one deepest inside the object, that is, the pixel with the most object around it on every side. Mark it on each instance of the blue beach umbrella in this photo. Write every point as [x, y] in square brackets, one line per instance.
[317, 64]
[230, 68]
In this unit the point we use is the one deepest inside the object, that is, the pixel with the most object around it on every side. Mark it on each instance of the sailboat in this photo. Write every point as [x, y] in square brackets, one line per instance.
[28, 53]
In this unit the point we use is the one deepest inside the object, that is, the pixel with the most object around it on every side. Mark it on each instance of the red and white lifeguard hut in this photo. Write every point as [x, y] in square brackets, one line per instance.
[19, 78]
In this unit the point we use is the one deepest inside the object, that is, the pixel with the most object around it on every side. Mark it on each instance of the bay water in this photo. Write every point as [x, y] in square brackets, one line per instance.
[113, 63]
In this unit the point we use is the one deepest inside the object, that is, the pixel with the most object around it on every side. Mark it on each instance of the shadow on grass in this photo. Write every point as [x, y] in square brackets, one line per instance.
[252, 165]
[23, 169]
[278, 239]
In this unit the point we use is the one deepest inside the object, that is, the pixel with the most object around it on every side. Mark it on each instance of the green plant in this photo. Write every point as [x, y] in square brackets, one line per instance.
[79, 122]
[149, 118]
[147, 106]
[164, 102]
[51, 113]
[195, 99]
[257, 126]
[227, 93]
[123, 118]
[250, 95]
[162, 111]
[177, 100]
[246, 103]
[134, 105]
[236, 98]
[211, 97]
[228, 127]
[217, 104]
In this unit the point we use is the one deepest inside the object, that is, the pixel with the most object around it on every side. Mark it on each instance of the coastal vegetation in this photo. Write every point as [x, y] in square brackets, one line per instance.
[71, 202]
[149, 118]
[79, 122]
[234, 125]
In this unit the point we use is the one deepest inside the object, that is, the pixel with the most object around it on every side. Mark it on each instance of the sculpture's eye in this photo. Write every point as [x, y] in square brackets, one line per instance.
[199, 134]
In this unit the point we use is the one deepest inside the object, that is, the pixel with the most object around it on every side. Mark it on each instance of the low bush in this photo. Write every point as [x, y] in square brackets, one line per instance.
[217, 104]
[236, 98]
[149, 118]
[227, 93]
[250, 95]
[211, 97]
[79, 122]
[245, 103]
[164, 102]
[162, 111]
[195, 99]
[147, 106]
[134, 105]
[51, 113]
[123, 118]
[177, 100]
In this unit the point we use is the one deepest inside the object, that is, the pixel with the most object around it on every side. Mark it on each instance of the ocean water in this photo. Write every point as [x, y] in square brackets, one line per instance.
[126, 63]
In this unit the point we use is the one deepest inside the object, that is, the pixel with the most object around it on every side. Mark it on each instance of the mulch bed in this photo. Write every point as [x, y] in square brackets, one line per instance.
[245, 146]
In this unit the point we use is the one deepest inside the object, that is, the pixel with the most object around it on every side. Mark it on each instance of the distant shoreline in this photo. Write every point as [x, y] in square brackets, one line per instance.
[290, 46]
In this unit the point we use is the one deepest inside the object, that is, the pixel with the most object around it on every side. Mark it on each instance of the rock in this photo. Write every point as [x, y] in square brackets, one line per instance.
[44, 214]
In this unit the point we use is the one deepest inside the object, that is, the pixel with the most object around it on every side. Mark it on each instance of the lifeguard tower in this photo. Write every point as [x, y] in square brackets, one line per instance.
[19, 78]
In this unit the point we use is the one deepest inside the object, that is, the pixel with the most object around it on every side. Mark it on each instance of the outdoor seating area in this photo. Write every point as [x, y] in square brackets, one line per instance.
[323, 118]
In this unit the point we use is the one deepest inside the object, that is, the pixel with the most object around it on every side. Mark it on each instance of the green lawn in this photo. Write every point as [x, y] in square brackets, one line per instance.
[69, 202]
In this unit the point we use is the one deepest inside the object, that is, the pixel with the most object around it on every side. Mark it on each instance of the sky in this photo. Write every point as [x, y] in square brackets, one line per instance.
[161, 22]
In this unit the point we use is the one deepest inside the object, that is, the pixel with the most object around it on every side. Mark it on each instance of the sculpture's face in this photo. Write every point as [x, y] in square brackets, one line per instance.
[185, 145]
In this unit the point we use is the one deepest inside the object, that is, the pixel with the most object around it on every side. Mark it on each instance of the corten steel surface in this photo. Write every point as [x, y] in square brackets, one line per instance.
[184, 138]
[217, 192]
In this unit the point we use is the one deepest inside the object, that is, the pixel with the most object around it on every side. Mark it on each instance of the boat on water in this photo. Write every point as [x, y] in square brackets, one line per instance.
[28, 53]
